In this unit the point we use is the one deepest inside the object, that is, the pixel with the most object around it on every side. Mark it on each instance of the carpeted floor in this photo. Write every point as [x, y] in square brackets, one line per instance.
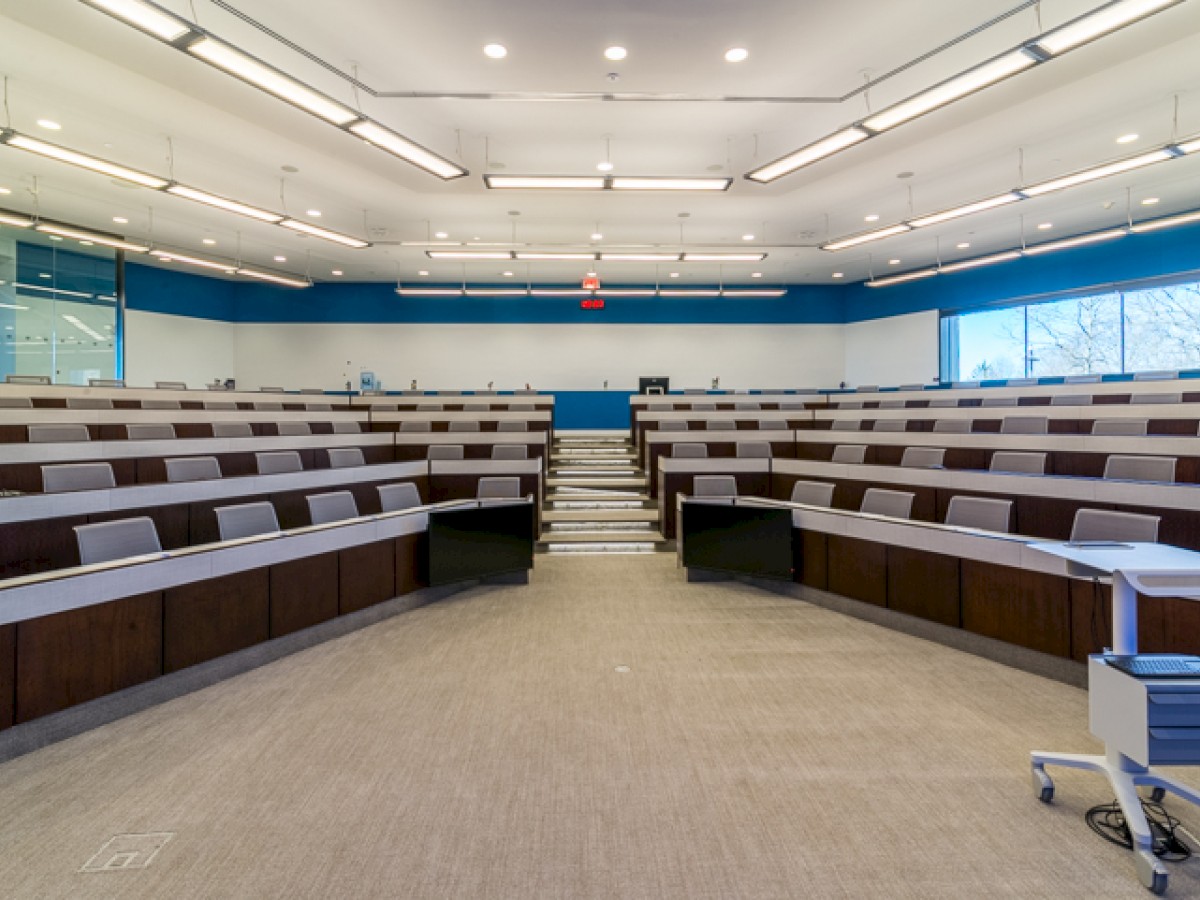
[492, 745]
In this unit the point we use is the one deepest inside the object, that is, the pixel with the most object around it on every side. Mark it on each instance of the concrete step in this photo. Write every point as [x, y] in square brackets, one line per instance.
[642, 514]
[596, 481]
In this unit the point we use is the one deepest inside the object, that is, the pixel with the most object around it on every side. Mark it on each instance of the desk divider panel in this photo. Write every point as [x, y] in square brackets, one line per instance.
[1018, 606]
[304, 592]
[367, 575]
[924, 584]
[211, 618]
[858, 569]
[810, 554]
[412, 563]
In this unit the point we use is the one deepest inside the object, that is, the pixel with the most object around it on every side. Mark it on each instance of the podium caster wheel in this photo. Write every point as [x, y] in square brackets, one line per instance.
[1150, 872]
[1043, 787]
[1157, 794]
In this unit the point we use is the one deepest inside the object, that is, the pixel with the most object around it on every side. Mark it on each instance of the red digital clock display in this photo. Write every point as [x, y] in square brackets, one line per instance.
[593, 303]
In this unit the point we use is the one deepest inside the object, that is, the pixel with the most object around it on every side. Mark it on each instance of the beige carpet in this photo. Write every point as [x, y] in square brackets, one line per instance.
[488, 746]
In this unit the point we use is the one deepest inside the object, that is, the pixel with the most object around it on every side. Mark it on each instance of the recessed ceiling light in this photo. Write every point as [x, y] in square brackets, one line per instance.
[747, 237]
[674, 274]
[893, 262]
[441, 235]
[616, 54]
[605, 166]
[508, 274]
[43, 274]
[1045, 226]
[49, 125]
[873, 217]
[1149, 201]
[337, 272]
[423, 273]
[1127, 138]
[597, 236]
[315, 213]
[756, 274]
[963, 246]
[736, 54]
[55, 237]
[209, 241]
[495, 51]
[120, 220]
[86, 244]
[4, 190]
[591, 274]
[281, 259]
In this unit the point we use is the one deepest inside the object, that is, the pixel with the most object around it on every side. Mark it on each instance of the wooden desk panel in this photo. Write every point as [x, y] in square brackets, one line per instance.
[924, 584]
[27, 548]
[858, 569]
[304, 592]
[810, 558]
[1049, 517]
[71, 657]
[8, 674]
[366, 575]
[412, 563]
[207, 619]
[1018, 606]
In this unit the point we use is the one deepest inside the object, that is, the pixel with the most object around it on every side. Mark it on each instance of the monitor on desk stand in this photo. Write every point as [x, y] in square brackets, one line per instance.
[747, 540]
[654, 384]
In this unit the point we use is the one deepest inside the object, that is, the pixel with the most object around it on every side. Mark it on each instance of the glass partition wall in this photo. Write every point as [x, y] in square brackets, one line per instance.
[58, 308]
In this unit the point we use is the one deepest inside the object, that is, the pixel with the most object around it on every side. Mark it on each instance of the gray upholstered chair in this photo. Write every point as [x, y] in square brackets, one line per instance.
[510, 451]
[1174, 397]
[77, 477]
[1157, 375]
[232, 429]
[813, 493]
[714, 486]
[512, 426]
[772, 425]
[220, 404]
[1071, 400]
[499, 487]
[522, 407]
[336, 506]
[689, 451]
[754, 450]
[16, 403]
[721, 425]
[193, 468]
[445, 451]
[293, 429]
[57, 434]
[1082, 379]
[892, 403]
[26, 379]
[845, 425]
[673, 426]
[746, 404]
[1141, 468]
[1019, 462]
[854, 454]
[883, 502]
[106, 541]
[980, 512]
[943, 403]
[151, 431]
[278, 462]
[412, 427]
[476, 407]
[704, 407]
[1135, 427]
[890, 425]
[395, 497]
[464, 426]
[1110, 525]
[318, 407]
[161, 404]
[347, 428]
[270, 390]
[952, 426]
[1025, 425]
[268, 406]
[999, 401]
[659, 407]
[345, 457]
[922, 458]
[89, 403]
[171, 385]
[246, 520]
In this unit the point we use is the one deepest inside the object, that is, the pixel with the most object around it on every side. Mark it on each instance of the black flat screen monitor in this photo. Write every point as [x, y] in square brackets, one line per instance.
[474, 542]
[646, 382]
[747, 540]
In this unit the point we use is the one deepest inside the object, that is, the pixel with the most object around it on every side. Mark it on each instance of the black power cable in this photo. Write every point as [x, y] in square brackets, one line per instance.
[1109, 822]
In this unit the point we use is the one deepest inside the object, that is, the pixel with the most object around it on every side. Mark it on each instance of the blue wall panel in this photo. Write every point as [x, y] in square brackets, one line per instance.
[591, 409]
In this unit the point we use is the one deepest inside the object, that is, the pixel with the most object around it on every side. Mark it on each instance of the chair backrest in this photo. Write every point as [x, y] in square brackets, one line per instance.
[659, 407]
[26, 379]
[464, 426]
[890, 425]
[1157, 398]
[347, 428]
[476, 407]
[151, 431]
[714, 486]
[845, 425]
[867, 388]
[232, 429]
[689, 451]
[792, 404]
[980, 512]
[161, 404]
[1071, 400]
[499, 487]
[1110, 525]
[220, 404]
[943, 403]
[754, 450]
[264, 406]
[426, 407]
[952, 426]
[16, 403]
[721, 425]
[77, 477]
[171, 385]
[394, 497]
[318, 407]
[892, 404]
[270, 390]
[56, 434]
[512, 426]
[922, 458]
[332, 507]
[445, 451]
[849, 453]
[1121, 426]
[999, 401]
[850, 404]
[278, 461]
[522, 407]
[312, 390]
[1141, 468]
[1158, 375]
[345, 457]
[106, 382]
[448, 393]
[1021, 462]
[385, 407]
[292, 428]
[246, 520]
[1021, 382]
[1082, 379]
[525, 392]
[89, 403]
[694, 390]
[813, 493]
[773, 425]
[882, 502]
[510, 451]
[745, 404]
[1025, 425]
[673, 426]
[416, 426]
[193, 468]
[704, 407]
[104, 541]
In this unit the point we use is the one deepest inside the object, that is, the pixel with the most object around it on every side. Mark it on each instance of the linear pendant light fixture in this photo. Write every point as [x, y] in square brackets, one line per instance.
[603, 183]
[536, 256]
[15, 220]
[82, 160]
[404, 291]
[160, 23]
[1086, 28]
[84, 234]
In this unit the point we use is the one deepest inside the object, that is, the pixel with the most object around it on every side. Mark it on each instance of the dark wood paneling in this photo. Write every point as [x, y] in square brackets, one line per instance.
[1048, 517]
[71, 657]
[8, 675]
[810, 558]
[924, 584]
[1021, 607]
[291, 508]
[303, 593]
[412, 563]
[38, 546]
[858, 569]
[367, 575]
[208, 619]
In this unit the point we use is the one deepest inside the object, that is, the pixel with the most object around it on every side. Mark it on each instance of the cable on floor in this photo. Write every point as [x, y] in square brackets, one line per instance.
[1108, 822]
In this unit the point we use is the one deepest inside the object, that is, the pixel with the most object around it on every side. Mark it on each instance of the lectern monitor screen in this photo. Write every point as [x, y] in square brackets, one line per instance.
[748, 540]
[474, 542]
[646, 382]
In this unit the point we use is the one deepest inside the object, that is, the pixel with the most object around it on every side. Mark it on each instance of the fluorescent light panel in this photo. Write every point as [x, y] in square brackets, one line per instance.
[1100, 22]
[763, 293]
[724, 257]
[1068, 243]
[948, 91]
[242, 209]
[566, 292]
[900, 279]
[550, 257]
[686, 293]
[495, 292]
[271, 80]
[49, 290]
[670, 184]
[978, 261]
[785, 165]
[866, 237]
[324, 234]
[544, 182]
[429, 292]
[1113, 168]
[629, 292]
[1189, 146]
[80, 234]
[409, 151]
[1165, 222]
[273, 277]
[145, 17]
[468, 254]
[639, 257]
[968, 209]
[15, 220]
[167, 256]
[82, 160]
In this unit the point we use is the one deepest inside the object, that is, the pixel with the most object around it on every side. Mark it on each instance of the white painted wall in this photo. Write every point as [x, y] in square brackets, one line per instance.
[892, 351]
[160, 347]
[566, 357]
